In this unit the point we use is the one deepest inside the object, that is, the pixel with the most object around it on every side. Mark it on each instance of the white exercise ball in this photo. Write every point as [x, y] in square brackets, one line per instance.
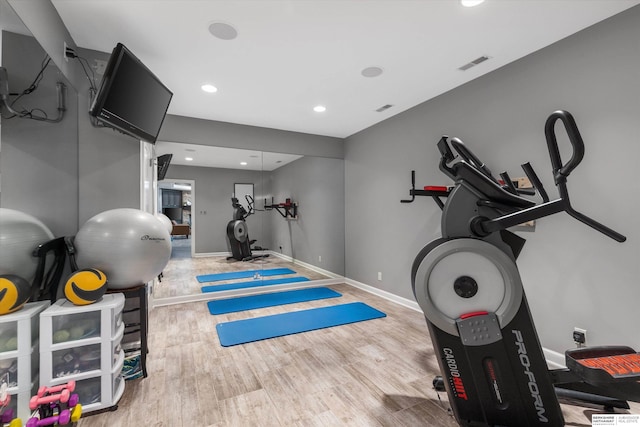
[166, 221]
[130, 246]
[20, 235]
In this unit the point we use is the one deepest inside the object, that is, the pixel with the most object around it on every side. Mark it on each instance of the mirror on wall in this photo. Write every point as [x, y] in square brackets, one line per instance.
[312, 244]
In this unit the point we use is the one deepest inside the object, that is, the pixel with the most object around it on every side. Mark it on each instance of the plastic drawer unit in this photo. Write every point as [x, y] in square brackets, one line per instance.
[83, 343]
[20, 355]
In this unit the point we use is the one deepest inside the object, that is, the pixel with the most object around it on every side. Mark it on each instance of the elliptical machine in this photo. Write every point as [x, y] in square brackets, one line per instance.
[468, 286]
[238, 232]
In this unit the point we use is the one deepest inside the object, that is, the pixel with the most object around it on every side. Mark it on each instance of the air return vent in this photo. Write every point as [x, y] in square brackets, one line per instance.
[384, 107]
[473, 63]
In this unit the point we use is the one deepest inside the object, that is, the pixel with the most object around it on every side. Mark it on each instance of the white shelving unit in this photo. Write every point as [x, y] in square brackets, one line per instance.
[83, 343]
[20, 356]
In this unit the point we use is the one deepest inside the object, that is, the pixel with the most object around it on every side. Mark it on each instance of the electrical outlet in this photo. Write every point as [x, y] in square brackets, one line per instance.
[319, 258]
[580, 336]
[379, 275]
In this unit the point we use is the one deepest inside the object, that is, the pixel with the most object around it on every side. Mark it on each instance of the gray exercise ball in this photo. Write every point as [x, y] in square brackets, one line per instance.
[20, 235]
[166, 221]
[131, 247]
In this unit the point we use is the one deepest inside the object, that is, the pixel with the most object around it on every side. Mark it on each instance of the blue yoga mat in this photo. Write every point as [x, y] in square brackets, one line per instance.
[253, 284]
[278, 325]
[242, 274]
[232, 305]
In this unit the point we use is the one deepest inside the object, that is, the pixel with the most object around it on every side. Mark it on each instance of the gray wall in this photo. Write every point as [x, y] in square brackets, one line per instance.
[573, 276]
[317, 185]
[39, 160]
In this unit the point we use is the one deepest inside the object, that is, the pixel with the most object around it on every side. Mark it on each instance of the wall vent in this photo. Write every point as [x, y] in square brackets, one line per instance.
[384, 107]
[473, 63]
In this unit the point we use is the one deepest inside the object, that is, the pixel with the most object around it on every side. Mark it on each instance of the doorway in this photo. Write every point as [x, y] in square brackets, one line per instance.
[176, 200]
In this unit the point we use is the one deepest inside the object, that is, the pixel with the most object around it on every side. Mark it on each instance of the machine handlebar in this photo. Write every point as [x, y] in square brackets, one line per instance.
[560, 171]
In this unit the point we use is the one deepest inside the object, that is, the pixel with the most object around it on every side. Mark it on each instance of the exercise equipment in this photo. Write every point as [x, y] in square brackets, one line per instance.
[238, 232]
[130, 246]
[20, 234]
[288, 209]
[244, 274]
[85, 286]
[277, 325]
[252, 302]
[253, 284]
[469, 288]
[55, 406]
[165, 220]
[14, 293]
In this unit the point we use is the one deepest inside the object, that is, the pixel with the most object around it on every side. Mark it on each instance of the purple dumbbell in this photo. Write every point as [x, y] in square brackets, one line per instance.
[62, 419]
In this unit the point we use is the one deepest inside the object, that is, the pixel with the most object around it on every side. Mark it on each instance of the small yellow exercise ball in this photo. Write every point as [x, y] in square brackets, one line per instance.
[85, 286]
[14, 293]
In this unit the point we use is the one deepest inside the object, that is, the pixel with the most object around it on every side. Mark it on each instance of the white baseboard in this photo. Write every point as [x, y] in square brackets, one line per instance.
[554, 359]
[305, 265]
[384, 294]
[211, 254]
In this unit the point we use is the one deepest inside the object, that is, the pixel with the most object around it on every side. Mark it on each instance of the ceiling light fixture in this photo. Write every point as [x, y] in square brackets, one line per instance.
[470, 3]
[243, 163]
[189, 159]
[371, 71]
[223, 31]
[319, 108]
[209, 88]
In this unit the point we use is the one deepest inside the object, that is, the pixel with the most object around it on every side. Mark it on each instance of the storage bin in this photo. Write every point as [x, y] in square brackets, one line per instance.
[84, 344]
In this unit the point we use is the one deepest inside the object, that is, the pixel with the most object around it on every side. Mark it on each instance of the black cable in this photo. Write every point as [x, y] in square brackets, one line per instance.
[92, 80]
[30, 89]
[71, 53]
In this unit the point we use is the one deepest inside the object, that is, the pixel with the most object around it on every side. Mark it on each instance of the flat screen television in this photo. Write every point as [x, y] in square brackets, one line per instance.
[131, 98]
[163, 164]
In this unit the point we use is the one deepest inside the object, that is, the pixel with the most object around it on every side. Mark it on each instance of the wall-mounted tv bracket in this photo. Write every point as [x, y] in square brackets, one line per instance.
[288, 209]
[434, 191]
[29, 114]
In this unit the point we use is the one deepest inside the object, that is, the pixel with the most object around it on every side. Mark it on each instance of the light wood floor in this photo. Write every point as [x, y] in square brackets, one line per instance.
[179, 276]
[373, 373]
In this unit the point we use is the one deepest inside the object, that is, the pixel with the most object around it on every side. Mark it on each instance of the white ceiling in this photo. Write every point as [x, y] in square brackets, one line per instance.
[292, 55]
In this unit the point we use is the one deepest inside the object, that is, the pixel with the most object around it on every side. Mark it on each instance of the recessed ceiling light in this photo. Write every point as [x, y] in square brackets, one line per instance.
[371, 71]
[319, 108]
[209, 88]
[243, 163]
[470, 3]
[223, 31]
[188, 159]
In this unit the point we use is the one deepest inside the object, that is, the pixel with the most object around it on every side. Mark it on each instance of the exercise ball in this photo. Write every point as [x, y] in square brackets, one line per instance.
[85, 286]
[14, 293]
[166, 221]
[20, 235]
[128, 245]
